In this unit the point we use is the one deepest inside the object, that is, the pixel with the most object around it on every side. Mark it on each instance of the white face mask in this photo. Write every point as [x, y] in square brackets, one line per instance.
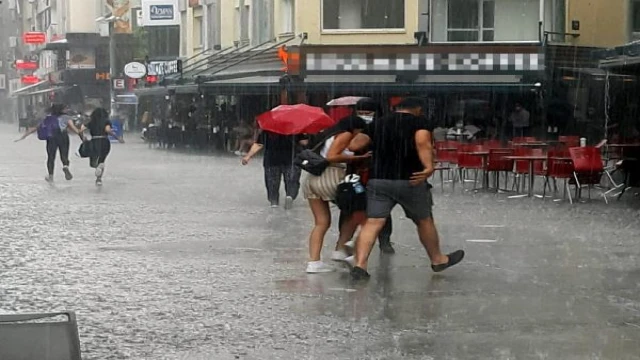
[367, 118]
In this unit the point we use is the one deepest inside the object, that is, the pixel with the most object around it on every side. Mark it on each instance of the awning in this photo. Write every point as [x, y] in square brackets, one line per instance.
[61, 44]
[26, 89]
[247, 86]
[261, 60]
[164, 90]
[596, 73]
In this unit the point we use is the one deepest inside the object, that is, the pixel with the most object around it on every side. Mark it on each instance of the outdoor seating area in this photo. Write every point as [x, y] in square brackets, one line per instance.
[565, 168]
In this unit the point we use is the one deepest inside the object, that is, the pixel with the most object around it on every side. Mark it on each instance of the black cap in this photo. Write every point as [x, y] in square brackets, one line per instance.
[367, 104]
[411, 103]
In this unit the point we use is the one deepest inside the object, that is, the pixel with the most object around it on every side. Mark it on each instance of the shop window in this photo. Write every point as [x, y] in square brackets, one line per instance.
[362, 14]
[287, 8]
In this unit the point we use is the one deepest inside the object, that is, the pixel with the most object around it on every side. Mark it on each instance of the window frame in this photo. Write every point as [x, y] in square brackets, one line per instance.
[632, 27]
[324, 31]
[480, 29]
[431, 30]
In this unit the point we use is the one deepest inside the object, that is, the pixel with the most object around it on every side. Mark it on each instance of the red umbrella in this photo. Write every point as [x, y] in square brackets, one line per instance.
[337, 113]
[295, 119]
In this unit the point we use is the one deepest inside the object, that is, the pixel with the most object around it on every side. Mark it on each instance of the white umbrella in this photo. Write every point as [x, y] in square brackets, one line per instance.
[345, 101]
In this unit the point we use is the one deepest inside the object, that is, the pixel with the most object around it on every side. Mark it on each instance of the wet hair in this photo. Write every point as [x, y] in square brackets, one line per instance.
[411, 103]
[367, 104]
[99, 114]
[57, 109]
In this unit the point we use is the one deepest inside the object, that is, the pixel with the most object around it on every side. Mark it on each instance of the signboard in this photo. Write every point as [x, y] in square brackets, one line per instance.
[81, 58]
[163, 68]
[34, 37]
[121, 9]
[102, 76]
[118, 84]
[160, 12]
[26, 65]
[135, 70]
[29, 79]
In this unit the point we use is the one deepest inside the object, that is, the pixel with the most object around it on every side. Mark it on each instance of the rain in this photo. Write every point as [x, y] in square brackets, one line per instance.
[169, 169]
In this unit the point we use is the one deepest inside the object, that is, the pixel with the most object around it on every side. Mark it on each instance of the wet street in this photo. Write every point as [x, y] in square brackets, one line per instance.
[178, 256]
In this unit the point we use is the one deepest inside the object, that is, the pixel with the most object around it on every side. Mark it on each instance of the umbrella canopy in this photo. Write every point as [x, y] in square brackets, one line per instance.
[345, 101]
[295, 119]
[337, 113]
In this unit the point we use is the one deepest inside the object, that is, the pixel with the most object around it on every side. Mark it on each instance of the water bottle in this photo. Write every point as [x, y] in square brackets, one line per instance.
[583, 142]
[358, 188]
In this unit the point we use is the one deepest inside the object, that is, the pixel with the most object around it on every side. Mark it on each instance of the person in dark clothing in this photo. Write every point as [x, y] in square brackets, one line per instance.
[99, 127]
[59, 142]
[279, 152]
[367, 110]
[402, 147]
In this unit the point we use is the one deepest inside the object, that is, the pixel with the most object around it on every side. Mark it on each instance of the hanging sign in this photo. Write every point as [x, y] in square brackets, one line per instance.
[135, 70]
[34, 37]
[29, 79]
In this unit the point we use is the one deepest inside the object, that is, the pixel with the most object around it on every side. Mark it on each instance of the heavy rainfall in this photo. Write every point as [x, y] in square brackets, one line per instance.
[319, 179]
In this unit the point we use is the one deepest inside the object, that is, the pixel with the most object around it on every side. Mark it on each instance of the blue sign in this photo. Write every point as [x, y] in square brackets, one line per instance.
[116, 126]
[161, 12]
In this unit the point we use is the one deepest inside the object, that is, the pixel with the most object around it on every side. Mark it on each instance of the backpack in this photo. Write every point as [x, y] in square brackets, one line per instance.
[48, 127]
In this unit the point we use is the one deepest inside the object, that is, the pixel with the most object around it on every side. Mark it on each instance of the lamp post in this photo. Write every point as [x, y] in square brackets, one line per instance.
[111, 19]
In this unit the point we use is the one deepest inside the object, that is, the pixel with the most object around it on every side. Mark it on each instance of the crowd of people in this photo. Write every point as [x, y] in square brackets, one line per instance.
[390, 156]
[54, 127]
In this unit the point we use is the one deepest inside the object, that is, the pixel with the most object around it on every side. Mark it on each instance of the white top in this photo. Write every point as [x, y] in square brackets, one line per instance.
[327, 146]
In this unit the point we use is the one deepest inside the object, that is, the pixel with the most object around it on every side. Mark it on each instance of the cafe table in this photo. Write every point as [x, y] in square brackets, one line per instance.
[531, 159]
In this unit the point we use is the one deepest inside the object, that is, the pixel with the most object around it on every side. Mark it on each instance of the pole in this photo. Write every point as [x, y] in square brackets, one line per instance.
[112, 68]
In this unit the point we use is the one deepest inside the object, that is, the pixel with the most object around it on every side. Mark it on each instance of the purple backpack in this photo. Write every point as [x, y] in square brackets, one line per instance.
[48, 127]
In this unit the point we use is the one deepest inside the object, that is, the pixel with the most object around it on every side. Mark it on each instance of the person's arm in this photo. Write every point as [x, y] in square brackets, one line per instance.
[27, 133]
[110, 131]
[255, 148]
[359, 143]
[424, 145]
[73, 127]
[338, 146]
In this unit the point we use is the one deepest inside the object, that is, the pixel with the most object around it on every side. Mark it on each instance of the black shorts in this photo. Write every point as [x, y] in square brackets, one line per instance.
[384, 195]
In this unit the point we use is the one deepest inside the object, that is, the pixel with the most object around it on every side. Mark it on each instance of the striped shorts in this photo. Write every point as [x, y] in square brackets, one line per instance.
[325, 186]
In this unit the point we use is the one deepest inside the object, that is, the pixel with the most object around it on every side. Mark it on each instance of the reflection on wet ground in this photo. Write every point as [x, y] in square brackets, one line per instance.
[178, 257]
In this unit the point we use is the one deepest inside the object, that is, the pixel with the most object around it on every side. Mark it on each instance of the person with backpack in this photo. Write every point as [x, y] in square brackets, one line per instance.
[54, 130]
[98, 148]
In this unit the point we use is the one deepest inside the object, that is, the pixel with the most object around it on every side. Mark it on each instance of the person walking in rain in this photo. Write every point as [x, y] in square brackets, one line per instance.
[99, 147]
[54, 130]
[279, 152]
[520, 120]
[402, 162]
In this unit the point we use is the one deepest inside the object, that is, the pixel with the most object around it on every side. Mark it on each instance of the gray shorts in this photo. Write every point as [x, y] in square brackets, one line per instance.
[384, 195]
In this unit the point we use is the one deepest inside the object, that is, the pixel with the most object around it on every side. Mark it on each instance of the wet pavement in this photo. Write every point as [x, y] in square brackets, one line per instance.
[178, 256]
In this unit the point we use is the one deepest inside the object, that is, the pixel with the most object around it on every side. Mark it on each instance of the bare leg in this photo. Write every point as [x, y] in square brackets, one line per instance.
[322, 222]
[430, 240]
[366, 240]
[348, 228]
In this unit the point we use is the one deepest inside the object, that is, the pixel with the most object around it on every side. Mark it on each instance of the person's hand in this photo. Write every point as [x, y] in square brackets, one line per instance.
[421, 177]
[364, 156]
[245, 160]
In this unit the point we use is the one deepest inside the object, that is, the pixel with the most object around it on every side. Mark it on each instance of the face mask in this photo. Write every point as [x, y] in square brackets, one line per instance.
[367, 118]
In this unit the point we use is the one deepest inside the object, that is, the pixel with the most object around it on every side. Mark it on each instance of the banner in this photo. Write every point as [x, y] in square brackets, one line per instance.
[122, 10]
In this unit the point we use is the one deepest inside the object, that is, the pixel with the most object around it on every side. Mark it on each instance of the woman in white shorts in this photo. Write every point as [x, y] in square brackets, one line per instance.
[321, 190]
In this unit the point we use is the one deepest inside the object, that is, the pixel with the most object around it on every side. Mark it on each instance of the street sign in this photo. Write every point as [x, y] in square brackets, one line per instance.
[34, 37]
[135, 70]
[118, 84]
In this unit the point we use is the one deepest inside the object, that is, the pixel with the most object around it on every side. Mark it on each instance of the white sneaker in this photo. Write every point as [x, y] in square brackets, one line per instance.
[350, 244]
[99, 170]
[288, 203]
[339, 255]
[351, 260]
[318, 267]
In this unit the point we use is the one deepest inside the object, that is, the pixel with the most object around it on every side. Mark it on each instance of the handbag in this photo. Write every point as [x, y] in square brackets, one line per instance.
[310, 160]
[351, 195]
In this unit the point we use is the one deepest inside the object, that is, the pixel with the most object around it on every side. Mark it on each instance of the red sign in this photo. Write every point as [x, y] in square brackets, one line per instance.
[26, 65]
[152, 79]
[30, 79]
[34, 37]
